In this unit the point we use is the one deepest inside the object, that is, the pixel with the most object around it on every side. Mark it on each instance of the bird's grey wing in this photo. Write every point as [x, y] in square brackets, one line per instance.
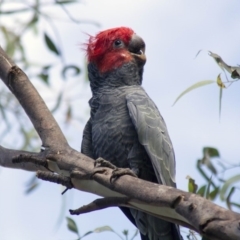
[153, 135]
[86, 147]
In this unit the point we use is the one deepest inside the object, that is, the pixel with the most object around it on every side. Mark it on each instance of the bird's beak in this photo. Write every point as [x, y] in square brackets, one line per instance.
[137, 49]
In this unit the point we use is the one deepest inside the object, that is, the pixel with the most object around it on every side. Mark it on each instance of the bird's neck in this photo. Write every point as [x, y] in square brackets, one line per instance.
[126, 75]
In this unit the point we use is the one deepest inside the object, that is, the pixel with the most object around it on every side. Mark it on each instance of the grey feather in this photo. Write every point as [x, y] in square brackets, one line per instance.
[153, 135]
[127, 129]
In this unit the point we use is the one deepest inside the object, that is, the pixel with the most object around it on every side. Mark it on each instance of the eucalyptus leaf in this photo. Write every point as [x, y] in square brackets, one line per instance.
[72, 226]
[51, 45]
[103, 229]
[201, 190]
[66, 2]
[212, 152]
[234, 71]
[76, 70]
[194, 86]
[227, 184]
[228, 200]
[58, 102]
[212, 195]
[192, 186]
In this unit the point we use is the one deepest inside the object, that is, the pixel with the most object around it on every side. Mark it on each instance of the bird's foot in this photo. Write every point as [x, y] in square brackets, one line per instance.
[102, 166]
[100, 162]
[118, 172]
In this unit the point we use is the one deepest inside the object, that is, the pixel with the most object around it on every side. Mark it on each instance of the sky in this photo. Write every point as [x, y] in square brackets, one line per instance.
[174, 31]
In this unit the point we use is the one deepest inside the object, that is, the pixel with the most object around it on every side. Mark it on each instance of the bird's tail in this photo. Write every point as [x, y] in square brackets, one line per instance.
[152, 228]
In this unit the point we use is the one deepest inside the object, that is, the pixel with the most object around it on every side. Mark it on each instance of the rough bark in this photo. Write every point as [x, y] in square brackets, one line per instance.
[168, 203]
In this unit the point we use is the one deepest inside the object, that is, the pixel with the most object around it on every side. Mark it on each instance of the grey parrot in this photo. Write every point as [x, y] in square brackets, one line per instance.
[125, 126]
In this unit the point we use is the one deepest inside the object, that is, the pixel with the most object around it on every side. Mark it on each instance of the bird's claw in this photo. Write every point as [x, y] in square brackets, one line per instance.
[100, 162]
[118, 172]
[102, 166]
[101, 170]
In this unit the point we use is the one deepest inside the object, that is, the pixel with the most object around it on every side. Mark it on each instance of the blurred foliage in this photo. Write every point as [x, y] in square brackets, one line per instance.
[234, 72]
[19, 20]
[222, 182]
[72, 226]
[221, 179]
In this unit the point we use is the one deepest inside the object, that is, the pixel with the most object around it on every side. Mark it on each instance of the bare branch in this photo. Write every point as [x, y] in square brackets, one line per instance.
[7, 155]
[55, 178]
[101, 203]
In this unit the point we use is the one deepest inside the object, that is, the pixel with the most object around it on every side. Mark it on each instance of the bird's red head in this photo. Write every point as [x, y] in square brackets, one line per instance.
[112, 48]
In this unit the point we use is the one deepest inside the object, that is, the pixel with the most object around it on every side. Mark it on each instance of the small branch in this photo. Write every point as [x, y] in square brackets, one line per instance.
[55, 178]
[30, 158]
[101, 203]
[7, 155]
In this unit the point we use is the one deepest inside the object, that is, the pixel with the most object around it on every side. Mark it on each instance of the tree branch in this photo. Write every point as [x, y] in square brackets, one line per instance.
[7, 156]
[161, 201]
[101, 203]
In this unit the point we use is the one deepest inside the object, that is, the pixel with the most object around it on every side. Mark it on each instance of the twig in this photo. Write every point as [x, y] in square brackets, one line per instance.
[101, 203]
[55, 178]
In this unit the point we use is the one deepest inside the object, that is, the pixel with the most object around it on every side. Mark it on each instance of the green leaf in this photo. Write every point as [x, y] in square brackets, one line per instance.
[31, 188]
[235, 72]
[98, 230]
[219, 81]
[76, 70]
[221, 85]
[199, 167]
[208, 153]
[202, 190]
[44, 77]
[87, 233]
[68, 114]
[32, 184]
[194, 86]
[212, 195]
[59, 100]
[229, 197]
[212, 152]
[220, 101]
[220, 62]
[103, 229]
[11, 40]
[192, 186]
[51, 45]
[235, 204]
[66, 2]
[198, 53]
[125, 232]
[72, 226]
[33, 22]
[208, 188]
[227, 184]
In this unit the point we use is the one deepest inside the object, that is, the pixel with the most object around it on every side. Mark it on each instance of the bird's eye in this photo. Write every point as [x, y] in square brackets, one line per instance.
[117, 43]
